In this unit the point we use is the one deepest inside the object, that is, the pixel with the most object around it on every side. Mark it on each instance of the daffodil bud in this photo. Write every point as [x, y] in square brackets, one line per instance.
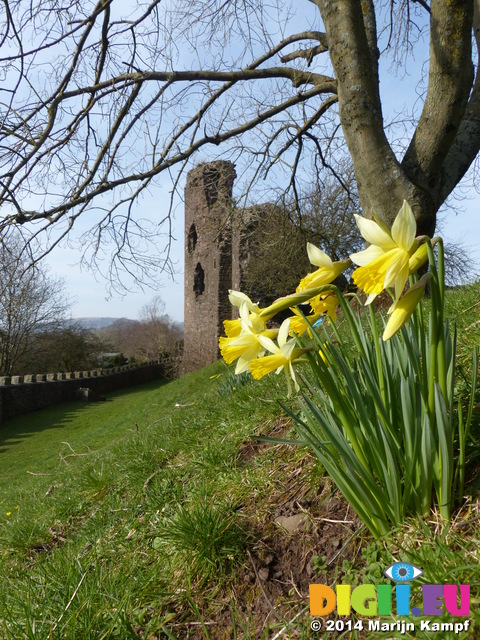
[402, 309]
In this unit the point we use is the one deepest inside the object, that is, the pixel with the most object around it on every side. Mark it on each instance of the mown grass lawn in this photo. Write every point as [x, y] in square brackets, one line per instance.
[154, 515]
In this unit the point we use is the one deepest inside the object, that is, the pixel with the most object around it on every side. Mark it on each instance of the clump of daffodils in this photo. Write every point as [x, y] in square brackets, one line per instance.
[392, 257]
[381, 415]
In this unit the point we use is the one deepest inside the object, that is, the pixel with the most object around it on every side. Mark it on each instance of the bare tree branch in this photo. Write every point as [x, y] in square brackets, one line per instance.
[98, 99]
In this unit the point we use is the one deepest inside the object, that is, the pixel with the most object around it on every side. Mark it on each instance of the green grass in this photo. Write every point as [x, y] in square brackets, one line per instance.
[133, 518]
[120, 509]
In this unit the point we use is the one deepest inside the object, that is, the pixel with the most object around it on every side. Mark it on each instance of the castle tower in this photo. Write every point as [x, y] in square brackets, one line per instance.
[208, 260]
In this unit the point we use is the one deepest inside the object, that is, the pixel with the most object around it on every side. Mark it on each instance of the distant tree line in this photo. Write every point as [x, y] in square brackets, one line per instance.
[36, 335]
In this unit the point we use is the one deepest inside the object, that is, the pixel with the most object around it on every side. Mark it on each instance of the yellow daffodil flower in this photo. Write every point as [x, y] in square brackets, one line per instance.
[282, 356]
[244, 345]
[322, 303]
[325, 303]
[327, 271]
[385, 262]
[402, 309]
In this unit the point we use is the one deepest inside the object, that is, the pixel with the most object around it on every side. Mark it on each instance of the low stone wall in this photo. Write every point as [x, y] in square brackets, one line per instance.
[21, 394]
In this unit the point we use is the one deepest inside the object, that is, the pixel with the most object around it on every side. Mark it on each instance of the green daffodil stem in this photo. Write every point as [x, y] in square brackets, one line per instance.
[433, 335]
[378, 354]
[442, 372]
[438, 368]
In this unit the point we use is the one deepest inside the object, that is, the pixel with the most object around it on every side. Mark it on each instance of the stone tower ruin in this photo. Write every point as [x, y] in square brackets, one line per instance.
[223, 248]
[208, 260]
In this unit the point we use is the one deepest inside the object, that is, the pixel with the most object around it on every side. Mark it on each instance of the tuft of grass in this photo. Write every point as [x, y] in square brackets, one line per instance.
[203, 539]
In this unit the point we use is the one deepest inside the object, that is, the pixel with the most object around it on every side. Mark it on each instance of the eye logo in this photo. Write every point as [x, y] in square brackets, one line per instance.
[403, 572]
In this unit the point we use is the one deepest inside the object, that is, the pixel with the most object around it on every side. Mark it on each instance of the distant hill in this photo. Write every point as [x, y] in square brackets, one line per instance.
[98, 323]
[102, 323]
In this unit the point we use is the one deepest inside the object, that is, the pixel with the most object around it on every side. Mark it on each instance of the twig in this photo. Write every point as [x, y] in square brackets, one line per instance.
[355, 533]
[465, 522]
[149, 479]
[40, 474]
[193, 624]
[335, 521]
[74, 453]
[277, 635]
[470, 308]
[70, 601]
[472, 325]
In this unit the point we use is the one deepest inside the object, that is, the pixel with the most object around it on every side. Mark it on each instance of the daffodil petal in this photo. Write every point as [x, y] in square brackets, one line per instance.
[318, 257]
[292, 375]
[268, 344]
[243, 362]
[243, 312]
[397, 260]
[362, 258]
[283, 332]
[404, 227]
[237, 298]
[373, 233]
[242, 366]
[401, 280]
[287, 349]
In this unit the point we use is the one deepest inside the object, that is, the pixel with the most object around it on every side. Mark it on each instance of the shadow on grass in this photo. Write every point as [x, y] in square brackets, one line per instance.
[64, 415]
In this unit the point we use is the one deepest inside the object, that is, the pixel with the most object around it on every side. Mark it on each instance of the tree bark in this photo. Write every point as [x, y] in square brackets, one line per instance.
[450, 78]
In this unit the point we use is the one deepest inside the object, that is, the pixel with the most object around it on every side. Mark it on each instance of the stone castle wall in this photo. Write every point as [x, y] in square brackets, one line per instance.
[21, 394]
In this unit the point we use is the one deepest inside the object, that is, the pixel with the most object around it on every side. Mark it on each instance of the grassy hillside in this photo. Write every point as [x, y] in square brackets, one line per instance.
[156, 515]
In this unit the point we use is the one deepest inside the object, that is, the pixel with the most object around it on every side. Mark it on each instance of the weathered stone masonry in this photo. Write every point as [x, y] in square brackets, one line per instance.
[208, 260]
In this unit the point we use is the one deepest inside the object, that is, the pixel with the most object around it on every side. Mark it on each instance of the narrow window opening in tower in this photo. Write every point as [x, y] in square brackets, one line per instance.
[199, 280]
[192, 239]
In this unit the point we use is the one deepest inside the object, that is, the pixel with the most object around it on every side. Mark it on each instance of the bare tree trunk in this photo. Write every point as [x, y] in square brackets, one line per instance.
[384, 182]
